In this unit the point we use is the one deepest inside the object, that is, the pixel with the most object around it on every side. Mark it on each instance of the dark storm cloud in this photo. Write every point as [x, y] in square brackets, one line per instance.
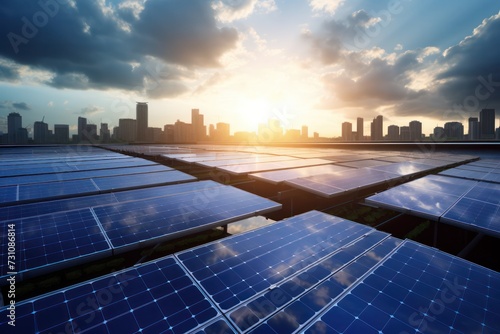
[97, 44]
[8, 73]
[14, 105]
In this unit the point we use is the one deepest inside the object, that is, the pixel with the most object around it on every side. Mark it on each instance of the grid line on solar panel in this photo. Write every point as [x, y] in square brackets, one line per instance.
[293, 173]
[48, 242]
[152, 298]
[139, 223]
[418, 287]
[474, 215]
[237, 268]
[229, 162]
[291, 305]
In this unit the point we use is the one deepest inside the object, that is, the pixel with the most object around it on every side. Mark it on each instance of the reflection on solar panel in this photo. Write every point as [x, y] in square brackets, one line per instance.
[329, 185]
[289, 174]
[417, 287]
[474, 215]
[405, 168]
[141, 180]
[55, 241]
[364, 163]
[157, 297]
[140, 223]
[257, 159]
[272, 165]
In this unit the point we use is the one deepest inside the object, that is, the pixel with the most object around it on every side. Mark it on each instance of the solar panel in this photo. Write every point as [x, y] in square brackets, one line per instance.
[417, 287]
[405, 168]
[474, 215]
[237, 268]
[329, 185]
[486, 192]
[35, 209]
[56, 189]
[464, 173]
[141, 180]
[136, 224]
[289, 174]
[18, 171]
[157, 297]
[54, 241]
[272, 165]
[364, 163]
[9, 194]
[228, 162]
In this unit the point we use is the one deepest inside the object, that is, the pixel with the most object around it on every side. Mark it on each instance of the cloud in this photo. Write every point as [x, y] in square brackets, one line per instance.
[231, 10]
[96, 44]
[90, 110]
[328, 6]
[14, 106]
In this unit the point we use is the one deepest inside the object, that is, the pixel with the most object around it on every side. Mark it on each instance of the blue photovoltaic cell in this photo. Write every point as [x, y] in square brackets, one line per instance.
[56, 189]
[278, 176]
[443, 184]
[50, 242]
[218, 326]
[240, 267]
[328, 185]
[475, 215]
[240, 161]
[464, 173]
[157, 297]
[135, 224]
[272, 165]
[30, 170]
[140, 180]
[405, 168]
[8, 194]
[418, 287]
[364, 163]
[486, 192]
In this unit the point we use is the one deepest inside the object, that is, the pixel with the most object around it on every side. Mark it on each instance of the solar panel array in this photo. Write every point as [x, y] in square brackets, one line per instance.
[134, 220]
[465, 203]
[487, 170]
[312, 273]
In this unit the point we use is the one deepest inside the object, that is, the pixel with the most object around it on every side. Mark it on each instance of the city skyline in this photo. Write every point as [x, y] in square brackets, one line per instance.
[309, 62]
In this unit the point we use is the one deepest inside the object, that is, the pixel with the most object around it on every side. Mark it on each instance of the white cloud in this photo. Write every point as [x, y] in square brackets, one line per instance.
[328, 6]
[232, 10]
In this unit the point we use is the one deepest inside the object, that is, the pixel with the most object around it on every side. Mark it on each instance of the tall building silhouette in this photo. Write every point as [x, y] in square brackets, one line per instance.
[415, 130]
[127, 129]
[199, 129]
[377, 128]
[41, 133]
[473, 128]
[61, 133]
[487, 123]
[141, 111]
[305, 132]
[82, 128]
[393, 132]
[14, 122]
[346, 131]
[454, 130]
[359, 129]
[404, 133]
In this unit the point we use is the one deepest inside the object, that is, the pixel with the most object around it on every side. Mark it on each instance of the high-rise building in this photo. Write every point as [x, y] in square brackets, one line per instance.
[404, 133]
[199, 129]
[82, 129]
[141, 111]
[168, 133]
[359, 129]
[487, 123]
[438, 133]
[473, 128]
[454, 131]
[222, 131]
[91, 133]
[305, 132]
[183, 132]
[346, 131]
[104, 133]
[61, 133]
[41, 133]
[415, 131]
[127, 129]
[14, 122]
[393, 132]
[377, 128]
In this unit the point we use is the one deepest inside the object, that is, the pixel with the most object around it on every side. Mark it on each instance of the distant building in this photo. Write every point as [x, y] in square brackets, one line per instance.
[438, 133]
[141, 111]
[82, 127]
[168, 133]
[183, 132]
[377, 128]
[404, 133]
[473, 128]
[14, 122]
[41, 133]
[393, 133]
[487, 123]
[91, 133]
[305, 132]
[104, 133]
[155, 135]
[316, 135]
[454, 131]
[127, 130]
[346, 131]
[415, 131]
[22, 136]
[61, 133]
[222, 132]
[359, 129]
[199, 128]
[292, 135]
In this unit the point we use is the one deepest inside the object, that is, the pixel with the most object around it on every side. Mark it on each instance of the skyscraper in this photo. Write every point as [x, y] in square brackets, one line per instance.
[376, 128]
[393, 132]
[487, 123]
[415, 131]
[14, 122]
[454, 130]
[104, 133]
[141, 111]
[473, 128]
[61, 133]
[404, 133]
[199, 129]
[346, 131]
[359, 129]
[305, 132]
[127, 129]
[41, 133]
[82, 128]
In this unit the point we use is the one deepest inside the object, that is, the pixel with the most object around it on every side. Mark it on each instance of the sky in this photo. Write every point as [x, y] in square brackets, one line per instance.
[306, 62]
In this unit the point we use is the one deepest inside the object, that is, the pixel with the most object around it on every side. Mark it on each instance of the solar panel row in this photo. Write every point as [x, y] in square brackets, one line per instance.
[465, 203]
[487, 170]
[312, 273]
[56, 240]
